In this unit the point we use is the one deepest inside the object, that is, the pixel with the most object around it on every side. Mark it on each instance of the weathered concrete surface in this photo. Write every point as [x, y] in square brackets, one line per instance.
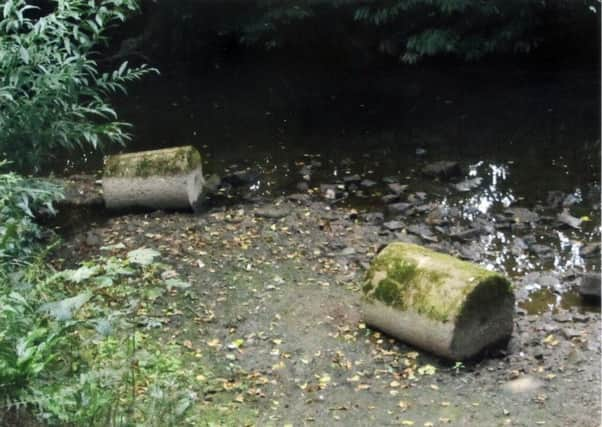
[434, 301]
[169, 178]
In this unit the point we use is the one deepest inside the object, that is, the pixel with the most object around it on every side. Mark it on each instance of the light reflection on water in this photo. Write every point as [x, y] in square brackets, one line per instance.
[485, 198]
[491, 198]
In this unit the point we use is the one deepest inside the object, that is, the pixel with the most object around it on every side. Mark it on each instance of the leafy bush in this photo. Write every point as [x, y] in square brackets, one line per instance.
[73, 350]
[20, 199]
[52, 93]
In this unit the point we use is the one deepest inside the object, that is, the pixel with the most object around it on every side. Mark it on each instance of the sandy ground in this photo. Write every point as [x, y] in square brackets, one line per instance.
[274, 307]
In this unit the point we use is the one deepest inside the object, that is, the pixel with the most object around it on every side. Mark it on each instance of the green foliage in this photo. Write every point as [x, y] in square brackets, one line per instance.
[20, 199]
[52, 94]
[464, 28]
[468, 29]
[26, 346]
[77, 348]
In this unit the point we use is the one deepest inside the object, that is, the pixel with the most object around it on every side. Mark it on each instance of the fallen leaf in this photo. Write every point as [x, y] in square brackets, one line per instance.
[427, 370]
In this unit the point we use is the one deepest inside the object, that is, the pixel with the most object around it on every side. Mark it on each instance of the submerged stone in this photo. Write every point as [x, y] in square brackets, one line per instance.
[590, 286]
[434, 301]
[443, 170]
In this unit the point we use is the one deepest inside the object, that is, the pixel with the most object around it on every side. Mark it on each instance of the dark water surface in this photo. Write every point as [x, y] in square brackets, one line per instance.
[524, 132]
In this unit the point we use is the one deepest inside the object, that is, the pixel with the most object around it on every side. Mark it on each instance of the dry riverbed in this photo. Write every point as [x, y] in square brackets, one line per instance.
[274, 309]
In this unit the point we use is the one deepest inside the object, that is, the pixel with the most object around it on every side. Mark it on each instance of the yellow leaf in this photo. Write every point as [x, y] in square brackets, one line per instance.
[407, 423]
[325, 379]
[427, 370]
[213, 343]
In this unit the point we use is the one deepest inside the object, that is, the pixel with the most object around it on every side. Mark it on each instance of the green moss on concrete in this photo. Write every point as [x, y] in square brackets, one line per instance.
[169, 161]
[411, 277]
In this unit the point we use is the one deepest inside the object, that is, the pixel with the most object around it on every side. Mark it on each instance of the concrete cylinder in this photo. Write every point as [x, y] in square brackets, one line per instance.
[170, 178]
[452, 308]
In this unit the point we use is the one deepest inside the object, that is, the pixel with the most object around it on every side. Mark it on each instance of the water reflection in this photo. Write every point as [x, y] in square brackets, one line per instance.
[484, 199]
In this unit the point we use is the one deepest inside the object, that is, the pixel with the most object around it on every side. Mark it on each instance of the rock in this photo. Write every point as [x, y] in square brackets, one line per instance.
[589, 286]
[554, 199]
[569, 333]
[591, 249]
[581, 317]
[329, 191]
[442, 170]
[389, 198]
[93, 239]
[302, 186]
[348, 251]
[407, 238]
[473, 252]
[571, 200]
[398, 208]
[305, 172]
[390, 179]
[368, 183]
[437, 216]
[212, 184]
[352, 179]
[522, 215]
[542, 251]
[241, 177]
[424, 231]
[170, 178]
[396, 188]
[567, 219]
[468, 184]
[526, 384]
[464, 234]
[393, 225]
[534, 281]
[373, 218]
[562, 317]
[518, 246]
[272, 212]
[439, 303]
[299, 198]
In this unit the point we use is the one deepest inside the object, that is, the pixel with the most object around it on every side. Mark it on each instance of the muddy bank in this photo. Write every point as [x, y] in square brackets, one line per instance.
[275, 308]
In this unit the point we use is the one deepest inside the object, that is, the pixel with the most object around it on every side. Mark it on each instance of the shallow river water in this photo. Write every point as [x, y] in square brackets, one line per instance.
[524, 138]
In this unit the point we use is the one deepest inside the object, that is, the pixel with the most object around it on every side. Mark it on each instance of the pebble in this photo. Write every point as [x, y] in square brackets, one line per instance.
[442, 169]
[368, 183]
[393, 225]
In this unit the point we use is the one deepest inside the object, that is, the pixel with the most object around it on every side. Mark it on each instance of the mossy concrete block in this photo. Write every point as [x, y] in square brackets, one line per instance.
[444, 305]
[171, 178]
